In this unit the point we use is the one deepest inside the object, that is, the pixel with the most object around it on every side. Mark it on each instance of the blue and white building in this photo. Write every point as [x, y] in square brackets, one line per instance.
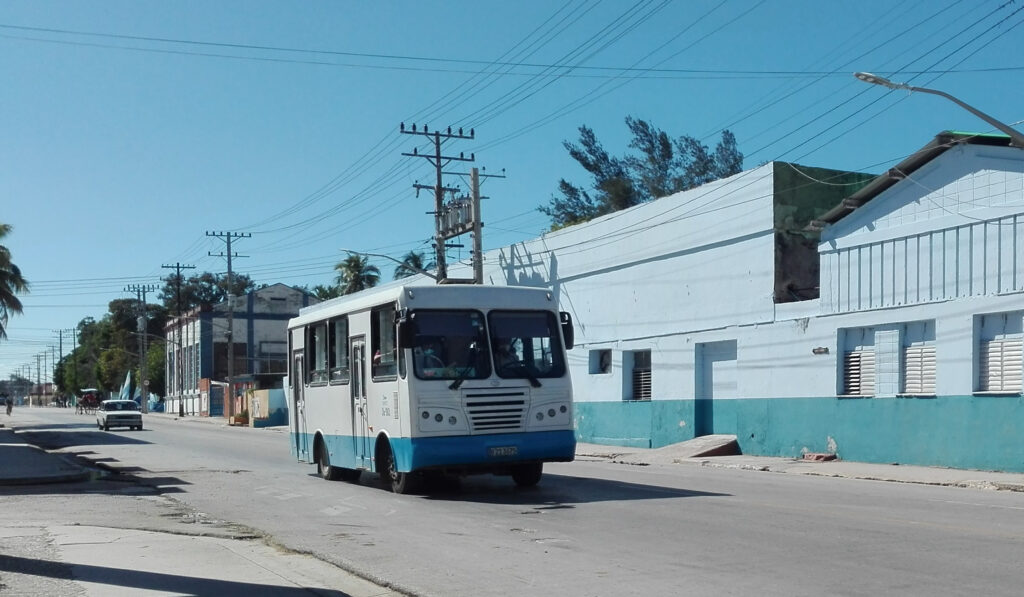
[805, 310]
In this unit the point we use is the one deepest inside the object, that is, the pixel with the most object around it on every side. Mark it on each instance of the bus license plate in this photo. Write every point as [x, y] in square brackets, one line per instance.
[503, 451]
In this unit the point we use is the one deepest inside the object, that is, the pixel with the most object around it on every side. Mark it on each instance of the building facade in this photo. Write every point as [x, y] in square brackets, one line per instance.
[197, 349]
[708, 312]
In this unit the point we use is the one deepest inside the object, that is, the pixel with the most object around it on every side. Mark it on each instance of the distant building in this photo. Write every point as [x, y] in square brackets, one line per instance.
[197, 348]
[707, 312]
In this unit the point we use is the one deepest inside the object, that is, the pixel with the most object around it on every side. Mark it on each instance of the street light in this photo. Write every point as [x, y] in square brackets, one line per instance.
[1016, 139]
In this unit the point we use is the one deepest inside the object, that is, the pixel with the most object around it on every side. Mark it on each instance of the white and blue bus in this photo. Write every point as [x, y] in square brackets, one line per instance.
[458, 379]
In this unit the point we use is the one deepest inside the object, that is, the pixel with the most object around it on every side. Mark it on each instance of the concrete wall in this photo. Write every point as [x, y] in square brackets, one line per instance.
[691, 276]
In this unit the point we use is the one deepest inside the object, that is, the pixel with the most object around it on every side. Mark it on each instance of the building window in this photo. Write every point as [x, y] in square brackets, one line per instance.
[918, 359]
[600, 361]
[858, 362]
[316, 341]
[1000, 352]
[641, 375]
[339, 350]
[385, 355]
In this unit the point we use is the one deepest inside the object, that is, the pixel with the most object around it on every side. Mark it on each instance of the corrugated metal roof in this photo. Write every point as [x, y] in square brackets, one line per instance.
[937, 146]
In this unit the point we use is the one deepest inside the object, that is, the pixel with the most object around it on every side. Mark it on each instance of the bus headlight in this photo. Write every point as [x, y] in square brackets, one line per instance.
[438, 417]
[540, 416]
[562, 409]
[551, 412]
[426, 415]
[452, 420]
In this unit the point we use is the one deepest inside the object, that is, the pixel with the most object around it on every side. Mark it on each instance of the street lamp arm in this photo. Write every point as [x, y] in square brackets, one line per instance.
[412, 267]
[1016, 138]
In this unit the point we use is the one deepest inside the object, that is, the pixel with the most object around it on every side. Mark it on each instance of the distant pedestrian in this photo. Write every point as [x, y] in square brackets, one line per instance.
[9, 403]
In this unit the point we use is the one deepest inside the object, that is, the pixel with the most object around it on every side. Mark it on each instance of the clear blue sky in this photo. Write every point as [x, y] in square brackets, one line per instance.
[132, 127]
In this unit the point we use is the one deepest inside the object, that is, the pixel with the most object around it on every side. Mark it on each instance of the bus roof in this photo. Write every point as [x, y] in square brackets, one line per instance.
[426, 296]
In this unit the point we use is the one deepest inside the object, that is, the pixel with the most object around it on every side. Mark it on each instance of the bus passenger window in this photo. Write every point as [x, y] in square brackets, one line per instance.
[385, 354]
[317, 340]
[339, 350]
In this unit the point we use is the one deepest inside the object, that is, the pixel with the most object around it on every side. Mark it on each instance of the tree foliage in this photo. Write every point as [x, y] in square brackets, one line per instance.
[355, 273]
[660, 167]
[413, 263]
[11, 283]
[108, 348]
[202, 289]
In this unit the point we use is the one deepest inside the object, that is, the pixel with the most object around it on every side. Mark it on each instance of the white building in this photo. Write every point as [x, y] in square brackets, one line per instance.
[699, 313]
[197, 348]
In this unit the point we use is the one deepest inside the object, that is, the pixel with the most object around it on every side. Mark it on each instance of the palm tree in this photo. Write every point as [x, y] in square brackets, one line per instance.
[355, 273]
[412, 264]
[11, 283]
[324, 293]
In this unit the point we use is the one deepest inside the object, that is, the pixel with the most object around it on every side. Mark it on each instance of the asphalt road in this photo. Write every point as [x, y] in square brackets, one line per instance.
[590, 528]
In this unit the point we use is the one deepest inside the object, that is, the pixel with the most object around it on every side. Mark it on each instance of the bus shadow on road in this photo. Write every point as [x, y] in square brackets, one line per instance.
[554, 491]
[52, 439]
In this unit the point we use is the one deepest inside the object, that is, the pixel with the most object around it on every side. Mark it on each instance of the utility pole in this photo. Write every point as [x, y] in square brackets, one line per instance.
[463, 215]
[439, 162]
[178, 365]
[74, 358]
[227, 236]
[141, 328]
[60, 343]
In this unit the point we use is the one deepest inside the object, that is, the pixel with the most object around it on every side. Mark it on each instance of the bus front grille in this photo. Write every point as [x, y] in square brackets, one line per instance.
[498, 411]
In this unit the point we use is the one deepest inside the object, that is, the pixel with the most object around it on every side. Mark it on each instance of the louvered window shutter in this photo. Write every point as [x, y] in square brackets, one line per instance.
[1001, 363]
[919, 369]
[859, 373]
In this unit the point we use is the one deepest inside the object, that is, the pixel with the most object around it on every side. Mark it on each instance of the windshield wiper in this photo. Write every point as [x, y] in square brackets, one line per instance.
[464, 374]
[518, 364]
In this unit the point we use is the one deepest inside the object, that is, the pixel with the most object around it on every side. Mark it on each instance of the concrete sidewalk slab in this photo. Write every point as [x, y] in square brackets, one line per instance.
[24, 464]
[109, 562]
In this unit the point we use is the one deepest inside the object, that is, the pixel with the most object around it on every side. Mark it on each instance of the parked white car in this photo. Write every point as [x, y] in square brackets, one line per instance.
[118, 413]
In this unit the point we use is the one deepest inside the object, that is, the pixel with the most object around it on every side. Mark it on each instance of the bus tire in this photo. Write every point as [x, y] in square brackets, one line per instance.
[323, 465]
[400, 482]
[527, 475]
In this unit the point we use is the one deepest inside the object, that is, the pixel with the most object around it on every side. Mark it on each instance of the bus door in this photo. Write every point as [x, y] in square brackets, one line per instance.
[360, 422]
[298, 381]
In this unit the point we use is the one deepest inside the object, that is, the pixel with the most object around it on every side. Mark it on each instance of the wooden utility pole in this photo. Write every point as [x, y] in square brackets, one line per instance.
[439, 162]
[228, 236]
[143, 380]
[179, 349]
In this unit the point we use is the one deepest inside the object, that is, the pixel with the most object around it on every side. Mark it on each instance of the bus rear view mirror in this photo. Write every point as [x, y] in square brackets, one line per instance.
[567, 331]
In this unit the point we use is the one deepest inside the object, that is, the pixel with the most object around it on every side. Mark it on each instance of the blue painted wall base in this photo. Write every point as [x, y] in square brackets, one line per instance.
[969, 432]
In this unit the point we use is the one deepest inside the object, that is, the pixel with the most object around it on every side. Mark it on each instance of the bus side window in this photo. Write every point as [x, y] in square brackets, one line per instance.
[339, 350]
[317, 341]
[384, 342]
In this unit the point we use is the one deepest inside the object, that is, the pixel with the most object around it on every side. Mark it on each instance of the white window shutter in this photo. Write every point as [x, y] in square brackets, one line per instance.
[1001, 365]
[859, 373]
[919, 369]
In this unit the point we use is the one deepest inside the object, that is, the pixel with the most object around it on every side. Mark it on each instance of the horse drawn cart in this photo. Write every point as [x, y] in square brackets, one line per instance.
[89, 401]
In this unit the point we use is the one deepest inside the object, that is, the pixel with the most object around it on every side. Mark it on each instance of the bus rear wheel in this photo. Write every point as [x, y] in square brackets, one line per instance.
[323, 465]
[527, 475]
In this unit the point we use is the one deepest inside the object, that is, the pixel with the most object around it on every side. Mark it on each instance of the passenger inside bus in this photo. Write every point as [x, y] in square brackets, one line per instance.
[428, 357]
[504, 355]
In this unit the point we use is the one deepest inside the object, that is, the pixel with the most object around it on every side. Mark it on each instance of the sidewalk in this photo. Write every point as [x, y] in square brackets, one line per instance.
[142, 562]
[687, 453]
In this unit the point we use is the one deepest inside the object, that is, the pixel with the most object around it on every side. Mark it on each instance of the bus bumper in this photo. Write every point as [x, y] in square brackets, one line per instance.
[484, 452]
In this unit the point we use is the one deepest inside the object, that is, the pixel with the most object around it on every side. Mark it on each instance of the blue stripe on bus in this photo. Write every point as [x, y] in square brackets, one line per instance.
[426, 452]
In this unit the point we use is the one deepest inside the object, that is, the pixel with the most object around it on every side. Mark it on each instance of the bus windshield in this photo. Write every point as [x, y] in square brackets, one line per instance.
[526, 344]
[449, 344]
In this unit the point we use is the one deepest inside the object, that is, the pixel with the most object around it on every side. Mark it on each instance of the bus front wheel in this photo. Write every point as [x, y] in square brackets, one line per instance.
[527, 475]
[323, 465]
[400, 482]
